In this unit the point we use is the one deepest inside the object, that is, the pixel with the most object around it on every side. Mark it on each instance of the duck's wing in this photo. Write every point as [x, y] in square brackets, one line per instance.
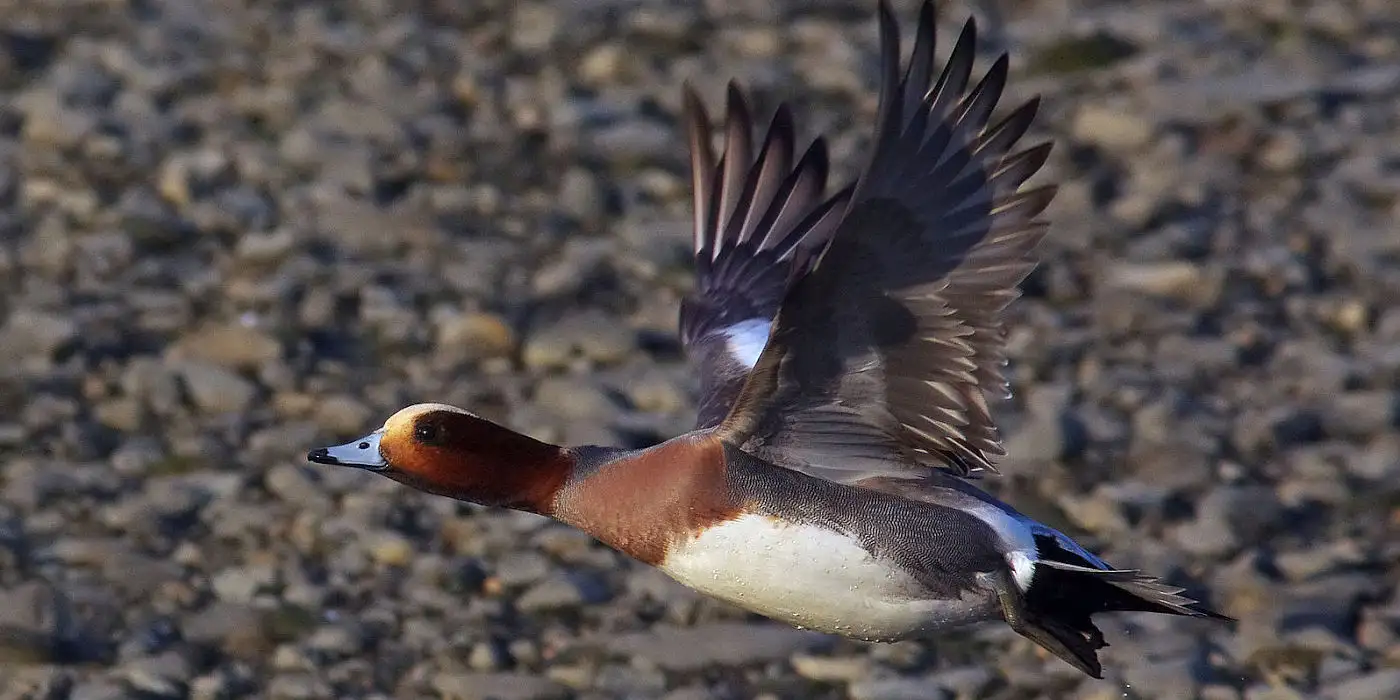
[760, 221]
[880, 356]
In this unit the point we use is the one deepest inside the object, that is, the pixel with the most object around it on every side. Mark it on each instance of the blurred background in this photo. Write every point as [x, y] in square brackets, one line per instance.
[231, 230]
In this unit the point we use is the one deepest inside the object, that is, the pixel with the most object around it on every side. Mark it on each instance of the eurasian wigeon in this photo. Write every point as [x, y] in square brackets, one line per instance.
[845, 344]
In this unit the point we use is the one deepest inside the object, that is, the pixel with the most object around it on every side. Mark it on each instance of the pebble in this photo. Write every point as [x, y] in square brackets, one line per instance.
[343, 415]
[496, 686]
[1110, 128]
[99, 689]
[163, 676]
[390, 549]
[340, 640]
[35, 333]
[572, 398]
[1374, 686]
[520, 568]
[231, 346]
[1173, 280]
[692, 649]
[242, 584]
[233, 628]
[897, 689]
[831, 668]
[475, 337]
[216, 390]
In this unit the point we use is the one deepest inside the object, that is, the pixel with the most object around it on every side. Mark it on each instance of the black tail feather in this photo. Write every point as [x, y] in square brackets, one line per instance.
[1068, 591]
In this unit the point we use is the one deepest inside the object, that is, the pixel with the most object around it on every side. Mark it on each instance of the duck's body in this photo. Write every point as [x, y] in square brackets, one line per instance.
[844, 343]
[884, 568]
[772, 540]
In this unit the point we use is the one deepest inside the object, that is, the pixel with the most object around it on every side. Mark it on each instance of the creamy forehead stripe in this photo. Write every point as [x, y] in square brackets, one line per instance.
[418, 409]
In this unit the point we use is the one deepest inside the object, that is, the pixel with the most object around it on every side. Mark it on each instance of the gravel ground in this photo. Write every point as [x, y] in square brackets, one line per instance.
[234, 229]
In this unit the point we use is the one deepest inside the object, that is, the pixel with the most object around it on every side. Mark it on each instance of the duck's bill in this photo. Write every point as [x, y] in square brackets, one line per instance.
[362, 453]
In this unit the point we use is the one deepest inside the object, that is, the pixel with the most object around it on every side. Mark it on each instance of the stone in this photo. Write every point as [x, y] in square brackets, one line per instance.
[216, 390]
[391, 549]
[685, 649]
[234, 346]
[1110, 128]
[474, 337]
[30, 332]
[897, 689]
[497, 686]
[1378, 685]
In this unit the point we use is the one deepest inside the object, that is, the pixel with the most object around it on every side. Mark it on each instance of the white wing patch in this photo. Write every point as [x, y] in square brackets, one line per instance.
[747, 340]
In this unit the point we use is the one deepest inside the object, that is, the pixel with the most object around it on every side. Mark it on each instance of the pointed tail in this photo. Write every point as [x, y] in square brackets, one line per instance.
[1057, 609]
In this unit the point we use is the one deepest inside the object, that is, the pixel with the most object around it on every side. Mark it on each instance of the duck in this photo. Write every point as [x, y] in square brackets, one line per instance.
[848, 345]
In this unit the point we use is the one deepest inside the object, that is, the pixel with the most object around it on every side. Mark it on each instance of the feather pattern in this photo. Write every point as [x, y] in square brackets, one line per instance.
[759, 221]
[881, 356]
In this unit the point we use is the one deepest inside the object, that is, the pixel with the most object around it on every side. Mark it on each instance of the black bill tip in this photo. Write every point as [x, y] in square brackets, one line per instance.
[321, 455]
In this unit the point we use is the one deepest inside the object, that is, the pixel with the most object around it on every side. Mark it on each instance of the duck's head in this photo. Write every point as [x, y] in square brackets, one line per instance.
[450, 451]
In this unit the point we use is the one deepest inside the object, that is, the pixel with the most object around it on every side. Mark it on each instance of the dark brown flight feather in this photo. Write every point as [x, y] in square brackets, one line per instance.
[881, 354]
[759, 223]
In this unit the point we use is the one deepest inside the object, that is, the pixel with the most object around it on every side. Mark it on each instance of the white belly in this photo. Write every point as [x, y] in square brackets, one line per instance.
[814, 578]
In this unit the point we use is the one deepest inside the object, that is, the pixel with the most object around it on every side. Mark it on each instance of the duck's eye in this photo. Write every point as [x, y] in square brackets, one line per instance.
[426, 433]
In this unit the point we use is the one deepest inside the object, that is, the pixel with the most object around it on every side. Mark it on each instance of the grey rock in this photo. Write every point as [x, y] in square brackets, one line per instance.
[564, 591]
[298, 686]
[474, 337]
[694, 648]
[1379, 461]
[343, 415]
[50, 122]
[1114, 129]
[965, 682]
[216, 390]
[1166, 677]
[153, 383]
[582, 262]
[1229, 516]
[233, 346]
[232, 628]
[31, 332]
[293, 484]
[581, 195]
[1374, 686]
[242, 584]
[592, 336]
[165, 676]
[897, 689]
[632, 139]
[1360, 414]
[1175, 280]
[617, 680]
[831, 668]
[342, 640]
[535, 26]
[496, 686]
[99, 689]
[572, 398]
[487, 656]
[690, 693]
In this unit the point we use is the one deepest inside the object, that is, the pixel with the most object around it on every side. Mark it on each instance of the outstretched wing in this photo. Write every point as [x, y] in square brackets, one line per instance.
[880, 356]
[760, 221]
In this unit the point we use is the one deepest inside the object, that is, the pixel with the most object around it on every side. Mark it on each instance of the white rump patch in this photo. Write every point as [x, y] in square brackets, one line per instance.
[747, 340]
[1017, 535]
